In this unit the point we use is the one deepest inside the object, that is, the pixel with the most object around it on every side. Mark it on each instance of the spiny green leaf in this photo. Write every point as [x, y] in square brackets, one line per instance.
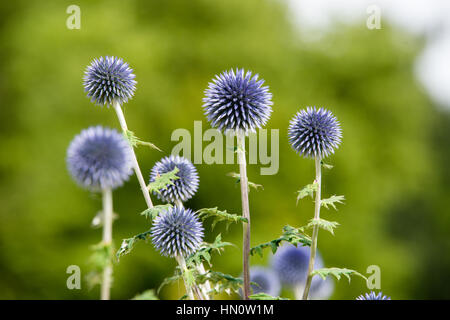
[163, 181]
[205, 251]
[100, 258]
[308, 190]
[189, 276]
[326, 166]
[265, 296]
[135, 141]
[177, 276]
[290, 234]
[146, 295]
[128, 244]
[337, 273]
[324, 224]
[220, 282]
[219, 216]
[250, 184]
[152, 213]
[331, 201]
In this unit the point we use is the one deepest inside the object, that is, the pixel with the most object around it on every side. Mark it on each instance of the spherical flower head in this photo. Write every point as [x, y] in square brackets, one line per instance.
[99, 158]
[373, 296]
[314, 133]
[183, 188]
[266, 281]
[291, 264]
[177, 232]
[109, 79]
[237, 101]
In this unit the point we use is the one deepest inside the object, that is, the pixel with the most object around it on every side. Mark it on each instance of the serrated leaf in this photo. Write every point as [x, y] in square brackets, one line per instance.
[331, 201]
[219, 216]
[205, 251]
[337, 273]
[290, 234]
[128, 244]
[146, 295]
[307, 190]
[177, 276]
[152, 213]
[100, 258]
[135, 141]
[326, 166]
[220, 282]
[265, 296]
[163, 181]
[250, 184]
[324, 224]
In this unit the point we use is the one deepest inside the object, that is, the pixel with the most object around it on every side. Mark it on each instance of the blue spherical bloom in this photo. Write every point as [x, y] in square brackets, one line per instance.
[177, 232]
[183, 188]
[99, 158]
[109, 79]
[291, 264]
[373, 296]
[237, 101]
[314, 132]
[266, 281]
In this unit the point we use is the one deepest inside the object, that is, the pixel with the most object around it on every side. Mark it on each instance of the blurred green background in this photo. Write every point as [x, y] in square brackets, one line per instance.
[392, 165]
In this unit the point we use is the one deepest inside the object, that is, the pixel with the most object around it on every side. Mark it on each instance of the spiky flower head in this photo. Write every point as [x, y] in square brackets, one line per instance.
[314, 132]
[183, 188]
[177, 232]
[109, 79]
[237, 101]
[291, 264]
[99, 158]
[266, 281]
[373, 296]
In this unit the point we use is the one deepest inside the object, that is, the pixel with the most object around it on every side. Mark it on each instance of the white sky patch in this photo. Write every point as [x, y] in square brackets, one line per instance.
[430, 18]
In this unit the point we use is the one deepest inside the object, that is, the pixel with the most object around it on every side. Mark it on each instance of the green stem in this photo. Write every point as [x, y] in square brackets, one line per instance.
[137, 170]
[245, 213]
[182, 264]
[315, 233]
[107, 240]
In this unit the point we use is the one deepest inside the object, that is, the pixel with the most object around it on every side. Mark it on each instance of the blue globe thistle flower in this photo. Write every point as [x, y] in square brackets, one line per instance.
[266, 281]
[314, 132]
[237, 101]
[109, 79]
[373, 296]
[177, 232]
[183, 188]
[99, 158]
[291, 264]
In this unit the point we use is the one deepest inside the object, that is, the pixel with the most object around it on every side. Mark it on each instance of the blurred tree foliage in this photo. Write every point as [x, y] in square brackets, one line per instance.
[392, 166]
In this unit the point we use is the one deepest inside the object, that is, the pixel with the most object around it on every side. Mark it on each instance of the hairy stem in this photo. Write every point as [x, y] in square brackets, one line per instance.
[245, 213]
[107, 240]
[137, 170]
[182, 264]
[315, 234]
